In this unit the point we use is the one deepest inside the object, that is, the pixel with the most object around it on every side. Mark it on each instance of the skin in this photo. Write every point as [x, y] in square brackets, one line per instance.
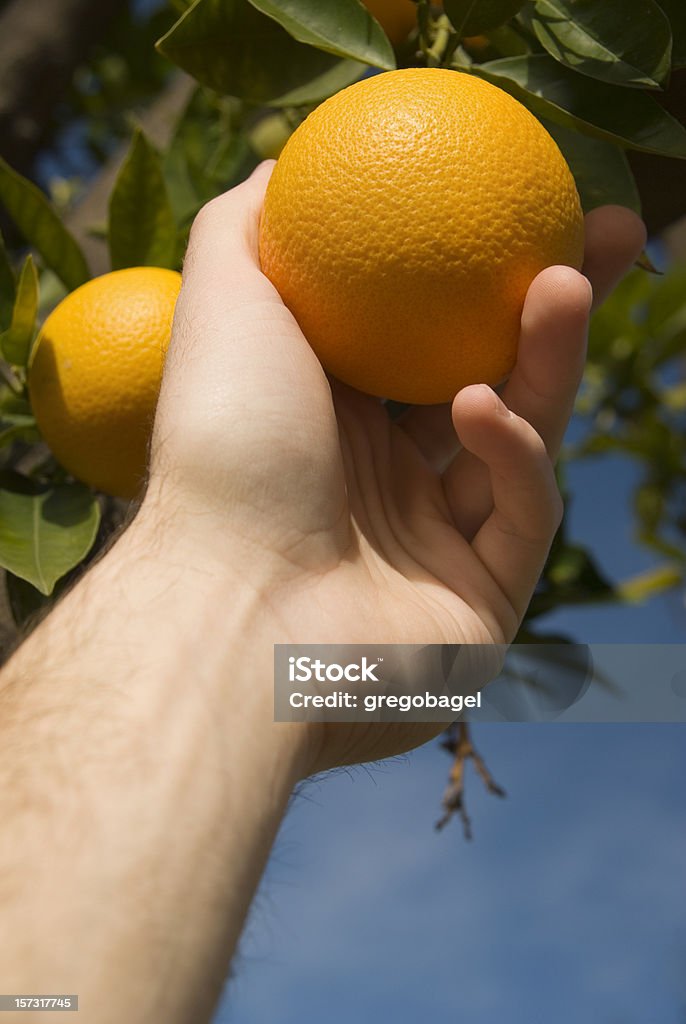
[143, 780]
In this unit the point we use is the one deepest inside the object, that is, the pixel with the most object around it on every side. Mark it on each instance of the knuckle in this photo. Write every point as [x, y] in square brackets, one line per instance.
[537, 445]
[203, 218]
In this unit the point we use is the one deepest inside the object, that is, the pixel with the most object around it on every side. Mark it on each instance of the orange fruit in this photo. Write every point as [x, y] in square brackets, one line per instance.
[476, 43]
[95, 375]
[396, 17]
[403, 224]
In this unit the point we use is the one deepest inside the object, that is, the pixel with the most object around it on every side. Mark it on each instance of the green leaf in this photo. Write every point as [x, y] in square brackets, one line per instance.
[575, 567]
[7, 287]
[509, 41]
[270, 134]
[42, 228]
[666, 312]
[345, 28]
[630, 118]
[472, 17]
[335, 78]
[676, 12]
[17, 421]
[44, 531]
[674, 398]
[142, 229]
[601, 170]
[589, 37]
[27, 431]
[14, 408]
[203, 128]
[233, 48]
[208, 153]
[24, 600]
[15, 342]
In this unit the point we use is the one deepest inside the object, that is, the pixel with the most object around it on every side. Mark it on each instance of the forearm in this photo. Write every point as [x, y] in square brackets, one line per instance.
[142, 781]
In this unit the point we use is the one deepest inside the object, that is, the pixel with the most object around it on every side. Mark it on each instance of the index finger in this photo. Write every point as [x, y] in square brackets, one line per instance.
[615, 237]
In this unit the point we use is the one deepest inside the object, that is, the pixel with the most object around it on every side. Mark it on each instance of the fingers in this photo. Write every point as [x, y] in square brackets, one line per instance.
[225, 231]
[552, 350]
[237, 359]
[550, 358]
[514, 540]
[232, 333]
[221, 268]
[615, 238]
[228, 312]
[542, 386]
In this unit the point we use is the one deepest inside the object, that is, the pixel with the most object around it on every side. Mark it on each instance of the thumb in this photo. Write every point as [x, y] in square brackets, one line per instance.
[223, 243]
[245, 415]
[221, 269]
[229, 316]
[238, 365]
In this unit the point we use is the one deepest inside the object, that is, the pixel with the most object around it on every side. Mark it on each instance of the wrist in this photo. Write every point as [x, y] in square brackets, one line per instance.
[223, 543]
[210, 620]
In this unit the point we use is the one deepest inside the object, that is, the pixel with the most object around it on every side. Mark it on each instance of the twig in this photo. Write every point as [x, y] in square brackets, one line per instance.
[458, 742]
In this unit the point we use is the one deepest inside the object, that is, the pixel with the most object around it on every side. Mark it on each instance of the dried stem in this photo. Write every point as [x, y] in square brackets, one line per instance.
[458, 742]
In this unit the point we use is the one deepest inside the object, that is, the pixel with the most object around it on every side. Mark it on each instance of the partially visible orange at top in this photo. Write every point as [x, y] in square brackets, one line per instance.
[396, 17]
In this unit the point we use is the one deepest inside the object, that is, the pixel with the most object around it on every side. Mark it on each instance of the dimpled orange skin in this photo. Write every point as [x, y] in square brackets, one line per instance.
[95, 375]
[403, 224]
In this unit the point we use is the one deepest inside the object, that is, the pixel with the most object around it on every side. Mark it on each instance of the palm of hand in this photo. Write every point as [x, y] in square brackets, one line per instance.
[414, 576]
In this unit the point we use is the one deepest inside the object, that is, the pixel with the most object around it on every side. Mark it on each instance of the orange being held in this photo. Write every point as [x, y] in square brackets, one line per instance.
[403, 224]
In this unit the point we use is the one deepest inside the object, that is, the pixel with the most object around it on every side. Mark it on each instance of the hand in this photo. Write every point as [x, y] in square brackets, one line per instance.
[352, 528]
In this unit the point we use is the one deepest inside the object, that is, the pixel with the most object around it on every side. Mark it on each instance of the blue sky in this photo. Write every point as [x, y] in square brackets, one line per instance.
[567, 906]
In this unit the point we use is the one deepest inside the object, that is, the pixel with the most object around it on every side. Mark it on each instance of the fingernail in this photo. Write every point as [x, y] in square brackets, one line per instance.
[590, 292]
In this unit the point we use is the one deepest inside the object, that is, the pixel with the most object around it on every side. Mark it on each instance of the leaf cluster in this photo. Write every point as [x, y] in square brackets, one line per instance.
[591, 71]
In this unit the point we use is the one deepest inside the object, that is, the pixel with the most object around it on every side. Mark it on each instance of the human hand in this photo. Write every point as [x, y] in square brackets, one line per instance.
[353, 528]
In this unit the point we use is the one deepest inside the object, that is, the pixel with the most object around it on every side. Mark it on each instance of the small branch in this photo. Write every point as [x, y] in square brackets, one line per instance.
[458, 742]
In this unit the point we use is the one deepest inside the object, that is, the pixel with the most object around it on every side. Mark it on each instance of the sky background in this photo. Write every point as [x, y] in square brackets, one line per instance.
[567, 906]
